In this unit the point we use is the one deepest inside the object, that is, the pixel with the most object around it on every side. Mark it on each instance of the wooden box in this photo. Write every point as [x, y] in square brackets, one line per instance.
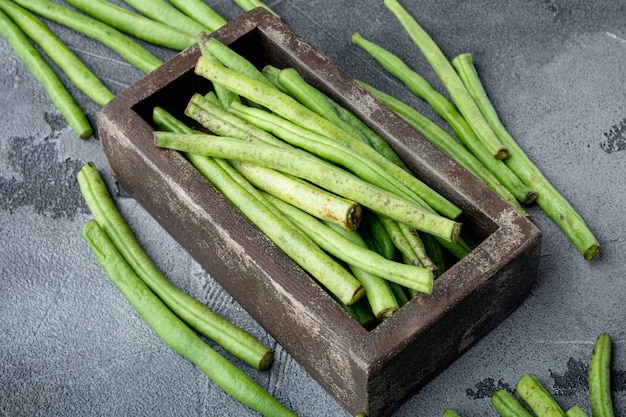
[367, 371]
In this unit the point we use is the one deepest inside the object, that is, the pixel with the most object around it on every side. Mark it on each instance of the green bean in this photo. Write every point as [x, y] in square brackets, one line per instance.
[447, 111]
[353, 253]
[575, 411]
[399, 292]
[537, 397]
[127, 48]
[248, 5]
[447, 143]
[59, 53]
[197, 315]
[507, 405]
[361, 312]
[224, 95]
[450, 79]
[378, 293]
[600, 378]
[201, 12]
[306, 166]
[304, 195]
[163, 12]
[291, 240]
[287, 107]
[271, 73]
[134, 24]
[46, 76]
[449, 412]
[435, 252]
[549, 198]
[174, 332]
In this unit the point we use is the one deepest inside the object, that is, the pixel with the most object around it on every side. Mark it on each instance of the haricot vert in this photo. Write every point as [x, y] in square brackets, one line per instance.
[38, 66]
[174, 332]
[196, 314]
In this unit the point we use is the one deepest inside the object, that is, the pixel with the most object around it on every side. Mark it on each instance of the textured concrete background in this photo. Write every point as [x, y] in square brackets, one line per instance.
[70, 344]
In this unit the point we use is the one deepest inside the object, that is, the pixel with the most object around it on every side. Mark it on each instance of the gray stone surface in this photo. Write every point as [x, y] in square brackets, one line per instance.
[70, 344]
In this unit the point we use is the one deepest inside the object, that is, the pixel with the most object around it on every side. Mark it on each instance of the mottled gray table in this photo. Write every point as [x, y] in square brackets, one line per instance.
[70, 344]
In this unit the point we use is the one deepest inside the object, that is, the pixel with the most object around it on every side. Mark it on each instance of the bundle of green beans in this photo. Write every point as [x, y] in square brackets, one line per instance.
[488, 150]
[540, 403]
[316, 180]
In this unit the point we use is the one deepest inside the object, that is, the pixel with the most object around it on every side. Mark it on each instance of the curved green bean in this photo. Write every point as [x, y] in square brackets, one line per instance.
[537, 397]
[134, 24]
[127, 48]
[201, 12]
[174, 332]
[59, 53]
[197, 315]
[549, 198]
[450, 79]
[46, 76]
[600, 378]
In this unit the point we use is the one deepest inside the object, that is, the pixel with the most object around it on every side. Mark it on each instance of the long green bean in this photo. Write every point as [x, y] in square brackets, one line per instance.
[134, 24]
[77, 72]
[450, 79]
[304, 195]
[46, 76]
[447, 111]
[201, 12]
[345, 249]
[537, 397]
[127, 48]
[599, 380]
[553, 203]
[447, 143]
[311, 168]
[197, 315]
[163, 12]
[174, 332]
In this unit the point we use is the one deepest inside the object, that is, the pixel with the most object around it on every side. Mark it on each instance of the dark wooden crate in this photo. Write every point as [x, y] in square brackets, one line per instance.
[370, 371]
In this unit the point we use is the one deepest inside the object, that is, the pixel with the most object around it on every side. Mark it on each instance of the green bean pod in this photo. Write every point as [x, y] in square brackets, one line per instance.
[135, 24]
[450, 79]
[163, 12]
[77, 72]
[537, 397]
[507, 405]
[600, 378]
[46, 76]
[174, 332]
[196, 314]
[127, 48]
